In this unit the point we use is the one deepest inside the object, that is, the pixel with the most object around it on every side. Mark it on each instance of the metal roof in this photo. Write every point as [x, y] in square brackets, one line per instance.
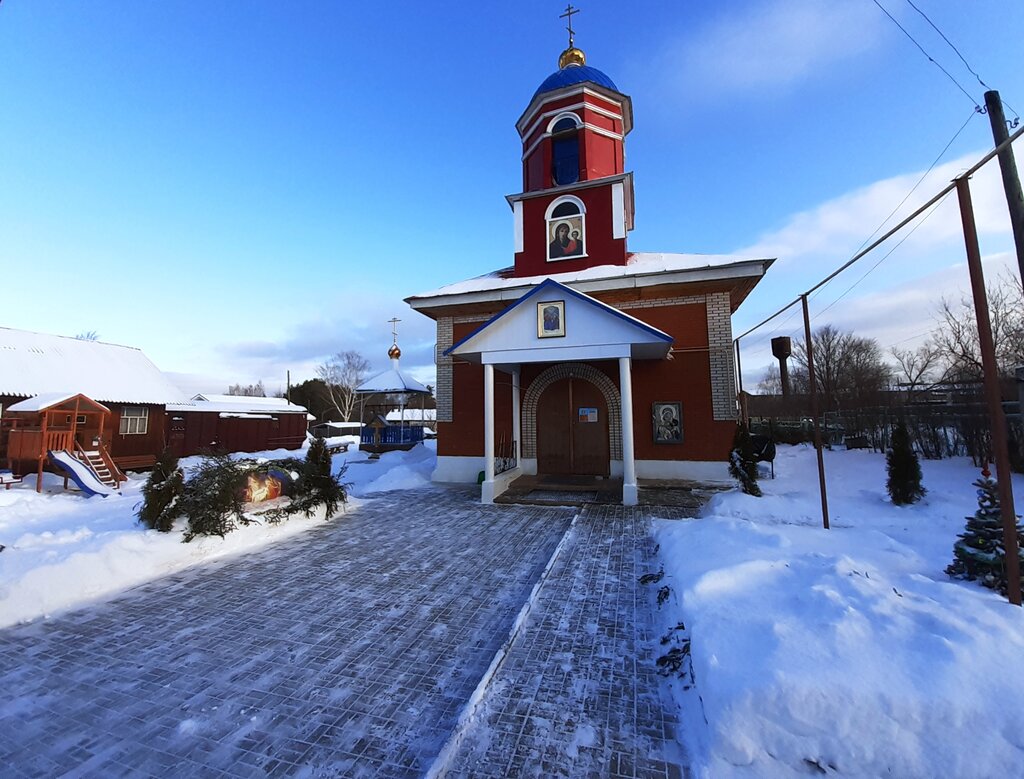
[36, 363]
[574, 74]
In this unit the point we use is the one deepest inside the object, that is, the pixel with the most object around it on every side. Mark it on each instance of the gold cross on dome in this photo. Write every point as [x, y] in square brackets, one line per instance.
[569, 11]
[394, 328]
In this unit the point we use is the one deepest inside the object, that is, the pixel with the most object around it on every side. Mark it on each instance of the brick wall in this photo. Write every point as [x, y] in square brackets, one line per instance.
[723, 369]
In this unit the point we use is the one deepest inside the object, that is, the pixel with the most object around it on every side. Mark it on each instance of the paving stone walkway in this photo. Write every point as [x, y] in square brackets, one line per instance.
[578, 694]
[348, 651]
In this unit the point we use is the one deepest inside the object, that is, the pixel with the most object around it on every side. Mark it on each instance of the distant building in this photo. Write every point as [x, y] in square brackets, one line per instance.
[111, 400]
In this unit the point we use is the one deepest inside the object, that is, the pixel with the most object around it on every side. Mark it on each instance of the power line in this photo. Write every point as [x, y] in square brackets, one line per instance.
[885, 256]
[878, 242]
[926, 54]
[913, 189]
[947, 40]
[963, 59]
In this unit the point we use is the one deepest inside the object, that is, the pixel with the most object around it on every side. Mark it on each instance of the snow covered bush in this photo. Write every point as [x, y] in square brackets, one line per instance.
[213, 497]
[980, 553]
[742, 465]
[903, 468]
[160, 493]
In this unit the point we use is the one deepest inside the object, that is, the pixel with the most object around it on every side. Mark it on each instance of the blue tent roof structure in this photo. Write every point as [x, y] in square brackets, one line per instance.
[574, 74]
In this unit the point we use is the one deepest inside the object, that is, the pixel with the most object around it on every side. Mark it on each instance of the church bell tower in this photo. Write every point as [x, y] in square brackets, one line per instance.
[577, 200]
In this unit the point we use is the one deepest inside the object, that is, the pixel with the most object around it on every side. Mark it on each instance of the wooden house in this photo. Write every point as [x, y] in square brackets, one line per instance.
[234, 423]
[120, 379]
[111, 404]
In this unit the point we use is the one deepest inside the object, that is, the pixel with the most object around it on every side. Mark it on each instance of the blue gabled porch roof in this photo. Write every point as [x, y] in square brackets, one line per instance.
[552, 284]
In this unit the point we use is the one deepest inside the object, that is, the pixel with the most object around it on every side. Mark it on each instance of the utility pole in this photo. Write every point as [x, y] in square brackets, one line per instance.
[997, 419]
[809, 341]
[1008, 166]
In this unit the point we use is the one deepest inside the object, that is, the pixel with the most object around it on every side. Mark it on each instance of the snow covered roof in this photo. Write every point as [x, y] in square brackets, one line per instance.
[412, 415]
[237, 405]
[45, 400]
[36, 363]
[391, 380]
[641, 269]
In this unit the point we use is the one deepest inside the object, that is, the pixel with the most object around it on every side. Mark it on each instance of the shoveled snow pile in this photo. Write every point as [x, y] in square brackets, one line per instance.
[847, 651]
[393, 470]
[64, 550]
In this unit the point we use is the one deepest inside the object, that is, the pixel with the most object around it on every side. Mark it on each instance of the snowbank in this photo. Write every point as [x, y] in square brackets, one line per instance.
[847, 650]
[64, 550]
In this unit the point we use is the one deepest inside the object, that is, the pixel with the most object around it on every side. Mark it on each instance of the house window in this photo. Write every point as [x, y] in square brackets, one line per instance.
[566, 226]
[134, 420]
[80, 419]
[565, 149]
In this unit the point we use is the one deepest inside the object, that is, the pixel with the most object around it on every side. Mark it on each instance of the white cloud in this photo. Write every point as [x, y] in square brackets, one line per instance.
[772, 44]
[834, 230]
[896, 303]
[902, 315]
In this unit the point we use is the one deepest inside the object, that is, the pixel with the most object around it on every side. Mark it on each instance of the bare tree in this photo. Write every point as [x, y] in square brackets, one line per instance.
[849, 370]
[341, 374]
[956, 336]
[916, 369]
[771, 382]
[248, 390]
[88, 335]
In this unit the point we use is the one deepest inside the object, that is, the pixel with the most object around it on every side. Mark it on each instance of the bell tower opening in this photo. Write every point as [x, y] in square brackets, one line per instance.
[565, 149]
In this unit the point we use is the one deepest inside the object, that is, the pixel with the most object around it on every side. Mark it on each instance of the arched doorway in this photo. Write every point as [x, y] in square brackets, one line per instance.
[572, 429]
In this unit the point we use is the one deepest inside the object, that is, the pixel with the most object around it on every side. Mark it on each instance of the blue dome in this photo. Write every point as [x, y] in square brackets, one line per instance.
[574, 74]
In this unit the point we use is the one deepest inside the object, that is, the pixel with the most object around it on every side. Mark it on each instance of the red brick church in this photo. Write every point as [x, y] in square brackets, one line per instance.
[585, 358]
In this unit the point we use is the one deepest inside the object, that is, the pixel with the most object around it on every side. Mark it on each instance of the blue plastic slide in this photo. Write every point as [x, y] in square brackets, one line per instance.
[81, 474]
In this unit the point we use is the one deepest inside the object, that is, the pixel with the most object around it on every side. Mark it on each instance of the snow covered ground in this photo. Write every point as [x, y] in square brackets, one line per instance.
[63, 550]
[846, 651]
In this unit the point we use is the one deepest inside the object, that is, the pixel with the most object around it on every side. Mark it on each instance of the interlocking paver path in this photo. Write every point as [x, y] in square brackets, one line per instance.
[349, 651]
[578, 694]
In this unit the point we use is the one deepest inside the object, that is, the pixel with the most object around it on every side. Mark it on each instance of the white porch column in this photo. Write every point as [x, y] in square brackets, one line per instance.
[517, 417]
[487, 489]
[629, 490]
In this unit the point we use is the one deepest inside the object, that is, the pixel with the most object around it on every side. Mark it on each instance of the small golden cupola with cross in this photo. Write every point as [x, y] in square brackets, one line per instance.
[577, 200]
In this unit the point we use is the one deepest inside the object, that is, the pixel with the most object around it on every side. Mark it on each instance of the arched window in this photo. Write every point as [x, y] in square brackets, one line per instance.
[566, 226]
[565, 149]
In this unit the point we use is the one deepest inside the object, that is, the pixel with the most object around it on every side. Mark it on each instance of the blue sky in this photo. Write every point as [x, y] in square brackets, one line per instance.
[243, 188]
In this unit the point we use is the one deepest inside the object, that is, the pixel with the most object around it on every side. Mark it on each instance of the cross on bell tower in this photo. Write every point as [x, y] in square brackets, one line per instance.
[569, 11]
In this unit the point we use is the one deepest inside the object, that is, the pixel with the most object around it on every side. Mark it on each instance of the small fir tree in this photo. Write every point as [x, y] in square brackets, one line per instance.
[980, 554]
[904, 482]
[316, 485]
[161, 492]
[213, 499]
[742, 465]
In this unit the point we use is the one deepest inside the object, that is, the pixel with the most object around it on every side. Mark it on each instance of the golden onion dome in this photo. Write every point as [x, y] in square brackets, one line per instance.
[394, 352]
[571, 56]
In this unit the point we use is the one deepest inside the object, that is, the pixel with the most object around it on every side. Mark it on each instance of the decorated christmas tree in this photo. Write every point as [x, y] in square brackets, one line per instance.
[742, 465]
[901, 463]
[980, 554]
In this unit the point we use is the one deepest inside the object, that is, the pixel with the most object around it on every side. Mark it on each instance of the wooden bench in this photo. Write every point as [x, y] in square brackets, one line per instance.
[857, 442]
[134, 462]
[7, 478]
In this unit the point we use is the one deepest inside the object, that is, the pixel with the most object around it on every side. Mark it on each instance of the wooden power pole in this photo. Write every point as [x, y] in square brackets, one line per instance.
[1008, 166]
[997, 418]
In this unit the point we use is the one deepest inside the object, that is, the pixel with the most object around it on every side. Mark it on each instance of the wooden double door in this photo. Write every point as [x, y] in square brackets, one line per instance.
[572, 429]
